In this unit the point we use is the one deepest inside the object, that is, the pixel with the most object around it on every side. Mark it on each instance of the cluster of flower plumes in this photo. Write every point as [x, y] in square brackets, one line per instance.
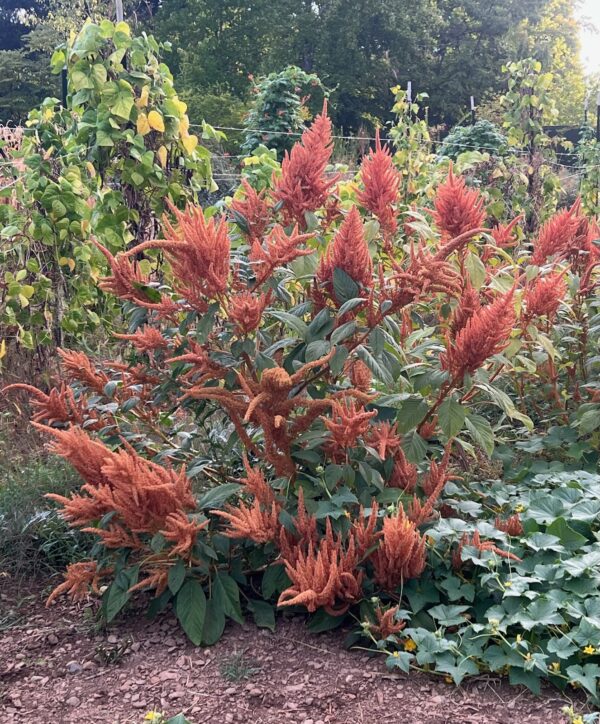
[295, 363]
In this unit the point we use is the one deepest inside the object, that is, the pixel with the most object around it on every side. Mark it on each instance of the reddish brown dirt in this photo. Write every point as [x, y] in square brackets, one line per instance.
[53, 669]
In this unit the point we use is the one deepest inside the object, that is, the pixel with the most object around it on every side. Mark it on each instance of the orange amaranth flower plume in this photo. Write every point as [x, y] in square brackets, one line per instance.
[140, 492]
[255, 483]
[348, 251]
[437, 477]
[58, 406]
[404, 474]
[384, 438]
[544, 296]
[182, 532]
[468, 304]
[279, 249]
[457, 208]
[476, 542]
[512, 525]
[86, 455]
[348, 422]
[360, 375]
[324, 578]
[363, 530]
[199, 253]
[129, 283]
[113, 536]
[246, 310]
[254, 211]
[78, 367]
[143, 493]
[157, 579]
[381, 181]
[386, 623]
[203, 368]
[401, 552]
[504, 234]
[267, 402]
[426, 273]
[79, 578]
[146, 339]
[560, 234]
[485, 334]
[257, 523]
[302, 185]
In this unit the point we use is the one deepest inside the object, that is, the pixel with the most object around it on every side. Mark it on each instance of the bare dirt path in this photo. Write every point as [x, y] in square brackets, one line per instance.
[54, 667]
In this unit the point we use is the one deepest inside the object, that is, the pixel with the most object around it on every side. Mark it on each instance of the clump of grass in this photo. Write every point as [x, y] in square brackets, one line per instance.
[238, 667]
[34, 539]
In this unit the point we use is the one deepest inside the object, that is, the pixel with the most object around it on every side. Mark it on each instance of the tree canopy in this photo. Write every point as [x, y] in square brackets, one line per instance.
[452, 49]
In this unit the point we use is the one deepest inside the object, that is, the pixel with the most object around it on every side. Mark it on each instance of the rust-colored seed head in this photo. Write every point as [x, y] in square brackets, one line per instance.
[302, 185]
[401, 552]
[381, 183]
[457, 208]
[350, 253]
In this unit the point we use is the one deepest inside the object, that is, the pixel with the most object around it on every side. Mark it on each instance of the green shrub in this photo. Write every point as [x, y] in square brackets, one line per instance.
[34, 538]
[279, 106]
[534, 616]
[482, 136]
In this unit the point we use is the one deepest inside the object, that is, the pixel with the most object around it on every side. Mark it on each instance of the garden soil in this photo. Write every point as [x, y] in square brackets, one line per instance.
[55, 666]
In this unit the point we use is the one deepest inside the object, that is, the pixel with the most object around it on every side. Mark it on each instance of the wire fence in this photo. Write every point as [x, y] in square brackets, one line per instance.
[233, 170]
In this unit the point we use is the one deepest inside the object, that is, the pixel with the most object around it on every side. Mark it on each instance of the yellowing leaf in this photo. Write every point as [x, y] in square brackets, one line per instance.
[2, 349]
[180, 105]
[91, 169]
[122, 27]
[184, 126]
[143, 124]
[145, 266]
[156, 121]
[142, 101]
[162, 156]
[190, 143]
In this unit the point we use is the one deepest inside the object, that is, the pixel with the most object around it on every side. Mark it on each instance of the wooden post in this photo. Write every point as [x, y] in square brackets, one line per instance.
[598, 117]
[119, 10]
[409, 92]
[473, 115]
[63, 84]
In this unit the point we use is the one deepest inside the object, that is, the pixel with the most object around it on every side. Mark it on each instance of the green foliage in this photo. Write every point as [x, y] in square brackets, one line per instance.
[532, 619]
[280, 105]
[589, 158]
[482, 136]
[360, 49]
[25, 77]
[528, 104]
[102, 167]
[34, 539]
[410, 135]
[554, 40]
[238, 667]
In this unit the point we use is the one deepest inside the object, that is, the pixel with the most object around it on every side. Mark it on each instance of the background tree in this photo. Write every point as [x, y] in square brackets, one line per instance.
[554, 41]
[359, 49]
